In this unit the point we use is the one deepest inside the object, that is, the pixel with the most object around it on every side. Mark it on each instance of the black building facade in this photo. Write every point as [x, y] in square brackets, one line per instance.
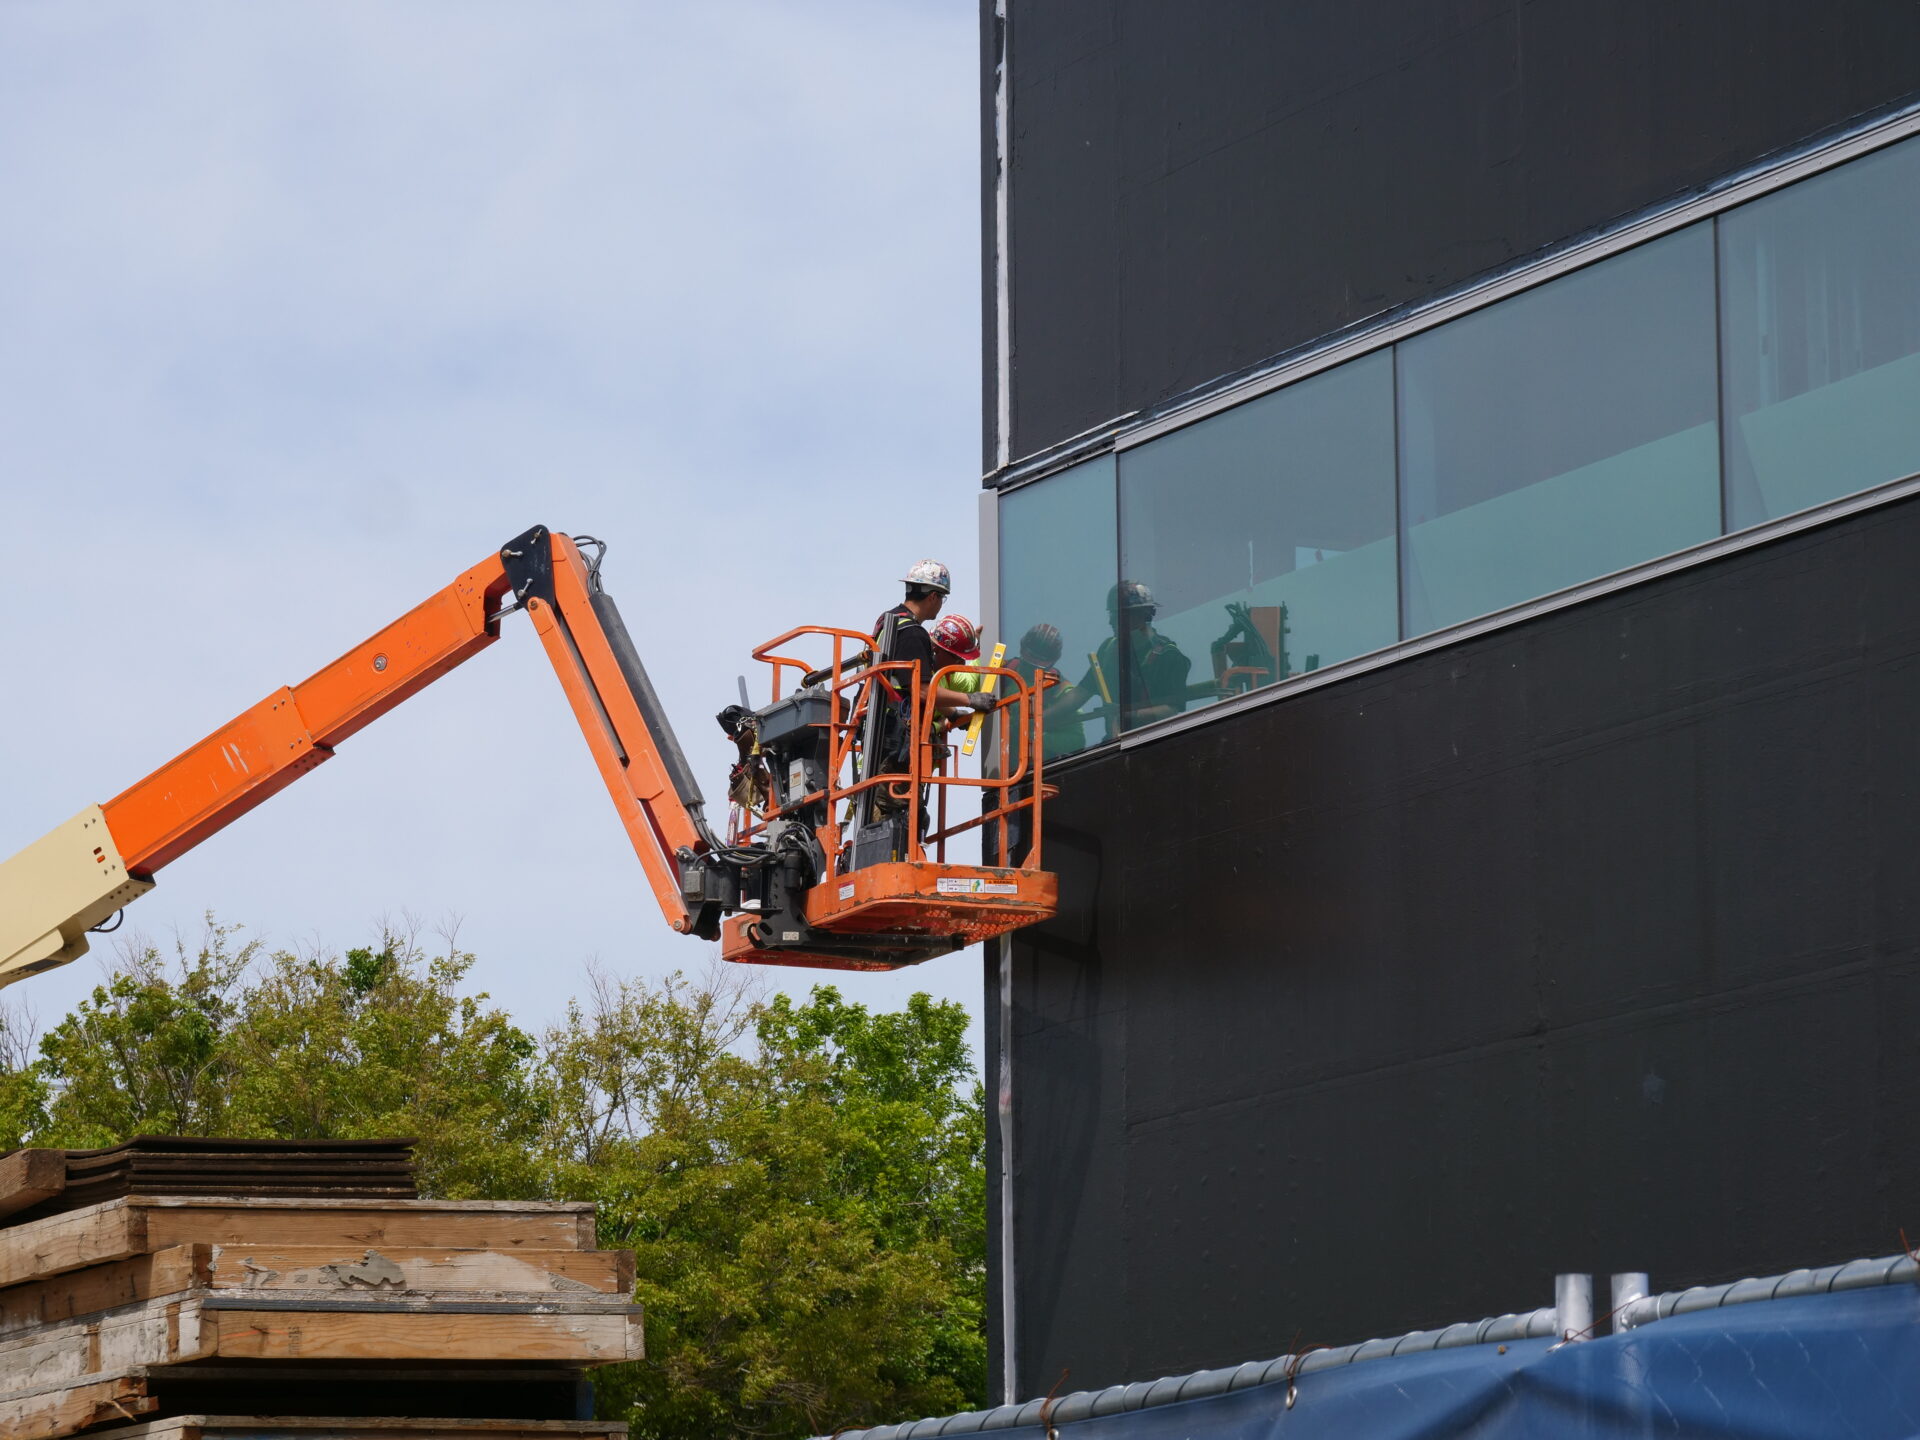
[1461, 460]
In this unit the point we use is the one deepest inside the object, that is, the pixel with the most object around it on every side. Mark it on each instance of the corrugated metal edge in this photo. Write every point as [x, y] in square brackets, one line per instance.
[1498, 1329]
[1830, 1279]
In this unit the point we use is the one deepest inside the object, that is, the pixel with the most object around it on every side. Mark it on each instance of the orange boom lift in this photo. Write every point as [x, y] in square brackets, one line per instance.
[835, 852]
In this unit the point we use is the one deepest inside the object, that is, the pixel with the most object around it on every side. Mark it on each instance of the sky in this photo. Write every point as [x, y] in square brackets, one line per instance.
[305, 308]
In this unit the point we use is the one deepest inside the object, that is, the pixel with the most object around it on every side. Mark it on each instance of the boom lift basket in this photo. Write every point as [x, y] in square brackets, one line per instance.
[871, 785]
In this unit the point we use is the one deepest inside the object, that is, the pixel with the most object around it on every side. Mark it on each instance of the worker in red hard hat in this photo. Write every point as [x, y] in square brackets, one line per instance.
[1041, 645]
[956, 641]
[1038, 661]
[959, 637]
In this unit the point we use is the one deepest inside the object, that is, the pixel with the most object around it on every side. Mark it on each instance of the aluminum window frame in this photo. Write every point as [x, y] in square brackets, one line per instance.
[1135, 428]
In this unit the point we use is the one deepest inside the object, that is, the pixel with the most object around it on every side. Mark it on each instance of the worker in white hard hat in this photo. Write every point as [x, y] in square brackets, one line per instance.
[902, 632]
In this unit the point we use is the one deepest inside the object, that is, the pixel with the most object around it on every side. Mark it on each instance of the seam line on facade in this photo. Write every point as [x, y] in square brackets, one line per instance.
[1003, 1107]
[1727, 194]
[1002, 265]
[1753, 538]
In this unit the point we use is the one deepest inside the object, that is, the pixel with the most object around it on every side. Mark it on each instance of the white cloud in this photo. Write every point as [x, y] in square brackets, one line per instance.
[306, 307]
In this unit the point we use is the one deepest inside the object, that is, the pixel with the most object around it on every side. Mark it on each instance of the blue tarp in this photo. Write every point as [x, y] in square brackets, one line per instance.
[1845, 1365]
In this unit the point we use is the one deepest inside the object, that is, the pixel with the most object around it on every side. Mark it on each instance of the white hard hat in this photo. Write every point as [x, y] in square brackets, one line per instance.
[933, 575]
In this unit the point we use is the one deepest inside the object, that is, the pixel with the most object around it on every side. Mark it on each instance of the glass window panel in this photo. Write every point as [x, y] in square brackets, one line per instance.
[1820, 317]
[1264, 538]
[1057, 563]
[1560, 435]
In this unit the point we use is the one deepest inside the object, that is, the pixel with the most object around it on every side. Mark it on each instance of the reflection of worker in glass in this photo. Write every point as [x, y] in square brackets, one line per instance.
[1039, 660]
[1243, 656]
[1155, 672]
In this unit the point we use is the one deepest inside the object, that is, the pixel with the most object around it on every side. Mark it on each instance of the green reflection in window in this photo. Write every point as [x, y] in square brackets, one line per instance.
[1057, 559]
[1258, 543]
[1820, 323]
[1560, 435]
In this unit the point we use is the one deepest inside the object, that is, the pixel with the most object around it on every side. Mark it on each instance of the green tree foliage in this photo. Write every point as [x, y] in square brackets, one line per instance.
[233, 1041]
[807, 1209]
[803, 1183]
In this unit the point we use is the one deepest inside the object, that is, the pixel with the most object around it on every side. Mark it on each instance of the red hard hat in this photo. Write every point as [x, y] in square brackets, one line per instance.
[956, 635]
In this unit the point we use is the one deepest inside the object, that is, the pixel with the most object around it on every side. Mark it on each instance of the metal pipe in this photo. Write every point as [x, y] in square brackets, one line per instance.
[1573, 1306]
[1628, 1296]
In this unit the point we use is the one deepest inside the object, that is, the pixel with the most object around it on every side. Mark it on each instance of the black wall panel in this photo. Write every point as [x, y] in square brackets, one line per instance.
[1197, 188]
[1590, 944]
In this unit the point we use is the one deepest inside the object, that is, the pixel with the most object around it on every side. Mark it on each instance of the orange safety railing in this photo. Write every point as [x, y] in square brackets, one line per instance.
[851, 679]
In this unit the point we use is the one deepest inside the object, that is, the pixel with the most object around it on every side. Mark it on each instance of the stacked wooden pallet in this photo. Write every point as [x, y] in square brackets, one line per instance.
[43, 1182]
[202, 1316]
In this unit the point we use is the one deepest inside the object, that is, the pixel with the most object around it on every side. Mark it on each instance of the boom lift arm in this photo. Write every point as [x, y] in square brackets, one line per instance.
[64, 885]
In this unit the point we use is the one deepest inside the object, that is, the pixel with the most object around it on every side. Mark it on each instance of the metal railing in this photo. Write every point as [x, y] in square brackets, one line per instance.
[854, 681]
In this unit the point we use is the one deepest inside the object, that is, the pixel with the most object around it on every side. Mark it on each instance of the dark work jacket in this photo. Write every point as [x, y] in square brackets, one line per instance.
[910, 641]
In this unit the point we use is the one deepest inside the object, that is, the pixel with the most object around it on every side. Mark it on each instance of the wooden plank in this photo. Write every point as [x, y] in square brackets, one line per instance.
[64, 1411]
[403, 1224]
[368, 1270]
[284, 1302]
[440, 1372]
[330, 1161]
[59, 1243]
[162, 1332]
[103, 1287]
[63, 1357]
[232, 1194]
[421, 1207]
[376, 1427]
[426, 1335]
[29, 1176]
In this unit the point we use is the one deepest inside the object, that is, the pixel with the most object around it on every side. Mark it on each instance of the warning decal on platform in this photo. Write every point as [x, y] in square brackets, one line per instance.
[960, 885]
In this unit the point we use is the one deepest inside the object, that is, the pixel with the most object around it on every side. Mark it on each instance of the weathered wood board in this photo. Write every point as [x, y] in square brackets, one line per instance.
[306, 1427]
[28, 1177]
[369, 1270]
[77, 1293]
[59, 1243]
[136, 1224]
[429, 1333]
[159, 1332]
[300, 1326]
[67, 1409]
[406, 1224]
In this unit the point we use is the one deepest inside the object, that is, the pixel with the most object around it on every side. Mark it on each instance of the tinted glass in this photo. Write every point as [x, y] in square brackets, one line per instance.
[1820, 317]
[1057, 563]
[1258, 543]
[1560, 435]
